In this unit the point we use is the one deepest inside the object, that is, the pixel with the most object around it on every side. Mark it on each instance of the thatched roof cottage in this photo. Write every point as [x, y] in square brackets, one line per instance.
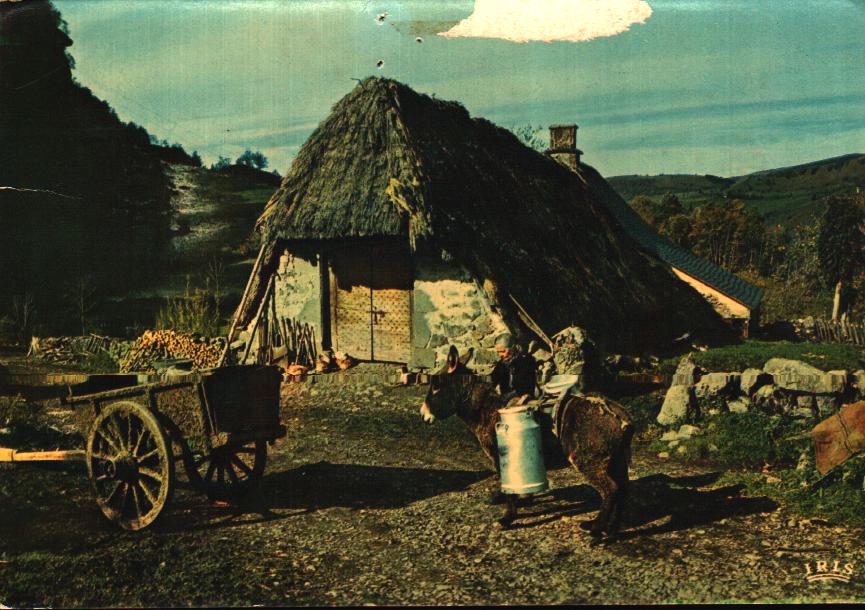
[405, 225]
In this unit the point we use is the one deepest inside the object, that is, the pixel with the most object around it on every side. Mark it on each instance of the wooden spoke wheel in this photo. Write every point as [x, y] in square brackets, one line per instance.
[230, 471]
[130, 464]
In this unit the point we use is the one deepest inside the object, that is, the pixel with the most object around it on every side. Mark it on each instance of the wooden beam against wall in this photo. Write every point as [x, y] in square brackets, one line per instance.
[528, 321]
[236, 319]
[257, 319]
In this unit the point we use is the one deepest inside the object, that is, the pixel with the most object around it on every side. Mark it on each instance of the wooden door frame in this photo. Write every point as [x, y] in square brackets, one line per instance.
[329, 292]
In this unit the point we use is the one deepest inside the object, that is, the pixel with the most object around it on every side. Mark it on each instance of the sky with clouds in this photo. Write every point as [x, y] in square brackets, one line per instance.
[657, 86]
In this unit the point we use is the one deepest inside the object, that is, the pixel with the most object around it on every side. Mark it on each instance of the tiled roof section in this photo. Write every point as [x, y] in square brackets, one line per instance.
[723, 281]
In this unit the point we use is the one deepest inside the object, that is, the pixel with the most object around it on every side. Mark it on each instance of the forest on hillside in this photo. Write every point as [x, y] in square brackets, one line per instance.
[86, 213]
[814, 268]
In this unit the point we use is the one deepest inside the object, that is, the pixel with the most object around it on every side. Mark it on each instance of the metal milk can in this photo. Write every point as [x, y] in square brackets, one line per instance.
[521, 458]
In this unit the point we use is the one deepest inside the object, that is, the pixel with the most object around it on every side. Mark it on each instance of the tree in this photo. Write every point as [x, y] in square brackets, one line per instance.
[252, 159]
[196, 158]
[730, 235]
[528, 135]
[657, 212]
[645, 207]
[83, 295]
[841, 247]
[678, 229]
[221, 163]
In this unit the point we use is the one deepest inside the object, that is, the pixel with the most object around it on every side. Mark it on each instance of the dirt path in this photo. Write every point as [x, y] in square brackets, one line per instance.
[362, 503]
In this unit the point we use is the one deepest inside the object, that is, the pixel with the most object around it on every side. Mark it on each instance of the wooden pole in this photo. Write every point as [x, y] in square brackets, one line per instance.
[13, 455]
[528, 321]
[236, 320]
[257, 320]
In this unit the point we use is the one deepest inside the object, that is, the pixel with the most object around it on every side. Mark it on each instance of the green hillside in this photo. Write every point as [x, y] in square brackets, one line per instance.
[787, 196]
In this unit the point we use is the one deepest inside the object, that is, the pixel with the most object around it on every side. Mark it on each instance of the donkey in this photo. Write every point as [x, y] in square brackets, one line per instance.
[594, 436]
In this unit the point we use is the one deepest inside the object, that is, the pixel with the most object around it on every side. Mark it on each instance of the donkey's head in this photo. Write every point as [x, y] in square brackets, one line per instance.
[449, 389]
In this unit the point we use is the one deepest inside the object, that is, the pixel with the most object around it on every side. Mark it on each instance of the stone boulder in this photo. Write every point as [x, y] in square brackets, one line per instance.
[576, 354]
[686, 431]
[770, 400]
[717, 384]
[827, 405]
[679, 403]
[797, 376]
[857, 380]
[687, 373]
[739, 405]
[752, 380]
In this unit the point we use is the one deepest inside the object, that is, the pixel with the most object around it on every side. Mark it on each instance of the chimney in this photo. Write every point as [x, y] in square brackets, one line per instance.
[563, 145]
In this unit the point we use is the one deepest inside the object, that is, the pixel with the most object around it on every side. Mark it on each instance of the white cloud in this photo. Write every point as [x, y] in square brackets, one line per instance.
[550, 20]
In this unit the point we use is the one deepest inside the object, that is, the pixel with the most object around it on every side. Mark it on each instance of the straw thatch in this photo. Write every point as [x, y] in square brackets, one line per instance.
[390, 162]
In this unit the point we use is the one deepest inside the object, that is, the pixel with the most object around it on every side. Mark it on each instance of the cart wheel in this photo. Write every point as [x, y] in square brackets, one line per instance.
[230, 471]
[130, 465]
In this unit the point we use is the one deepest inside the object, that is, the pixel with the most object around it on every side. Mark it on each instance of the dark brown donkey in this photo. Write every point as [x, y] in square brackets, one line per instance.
[594, 436]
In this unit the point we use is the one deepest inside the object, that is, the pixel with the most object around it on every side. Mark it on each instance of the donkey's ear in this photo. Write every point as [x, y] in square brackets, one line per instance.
[467, 356]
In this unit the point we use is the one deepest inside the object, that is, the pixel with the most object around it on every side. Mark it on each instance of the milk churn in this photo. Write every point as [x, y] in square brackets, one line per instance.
[521, 458]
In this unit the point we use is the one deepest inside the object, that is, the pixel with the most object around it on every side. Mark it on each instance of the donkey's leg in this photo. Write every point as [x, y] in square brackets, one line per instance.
[510, 511]
[619, 472]
[597, 474]
[490, 449]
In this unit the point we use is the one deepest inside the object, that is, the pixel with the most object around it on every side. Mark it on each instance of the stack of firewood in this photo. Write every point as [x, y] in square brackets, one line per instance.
[72, 350]
[156, 345]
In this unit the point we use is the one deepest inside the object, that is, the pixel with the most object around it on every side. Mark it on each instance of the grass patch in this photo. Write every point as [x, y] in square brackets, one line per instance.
[839, 499]
[643, 409]
[754, 354]
[743, 442]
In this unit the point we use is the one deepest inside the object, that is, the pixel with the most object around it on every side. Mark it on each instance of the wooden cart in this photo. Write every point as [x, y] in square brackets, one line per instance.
[215, 423]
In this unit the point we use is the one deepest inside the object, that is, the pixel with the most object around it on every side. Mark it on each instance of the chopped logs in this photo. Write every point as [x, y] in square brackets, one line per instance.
[155, 345]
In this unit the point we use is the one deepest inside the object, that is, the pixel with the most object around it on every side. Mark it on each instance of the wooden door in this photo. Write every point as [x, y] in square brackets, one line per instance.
[351, 303]
[391, 304]
[371, 303]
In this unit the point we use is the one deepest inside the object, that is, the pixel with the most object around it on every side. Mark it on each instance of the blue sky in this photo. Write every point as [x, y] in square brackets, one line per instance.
[702, 86]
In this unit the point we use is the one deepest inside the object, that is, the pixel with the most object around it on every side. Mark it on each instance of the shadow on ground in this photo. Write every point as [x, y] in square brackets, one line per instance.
[678, 503]
[325, 485]
[318, 486]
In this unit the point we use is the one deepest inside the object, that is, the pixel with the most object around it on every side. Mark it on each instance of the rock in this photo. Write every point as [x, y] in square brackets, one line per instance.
[687, 373]
[682, 449]
[770, 400]
[713, 447]
[670, 435]
[576, 354]
[687, 431]
[437, 341]
[796, 376]
[678, 404]
[827, 405]
[804, 460]
[673, 443]
[752, 380]
[836, 382]
[806, 402]
[664, 455]
[857, 381]
[541, 355]
[740, 405]
[717, 384]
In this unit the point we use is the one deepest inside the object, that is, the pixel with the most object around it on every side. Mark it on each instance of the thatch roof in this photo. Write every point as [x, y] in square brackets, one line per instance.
[390, 162]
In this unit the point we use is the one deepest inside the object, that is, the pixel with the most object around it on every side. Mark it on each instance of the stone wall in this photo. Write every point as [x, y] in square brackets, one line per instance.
[298, 292]
[781, 387]
[449, 307]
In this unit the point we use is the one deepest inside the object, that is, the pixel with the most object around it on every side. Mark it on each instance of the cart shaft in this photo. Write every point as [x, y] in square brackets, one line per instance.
[13, 455]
